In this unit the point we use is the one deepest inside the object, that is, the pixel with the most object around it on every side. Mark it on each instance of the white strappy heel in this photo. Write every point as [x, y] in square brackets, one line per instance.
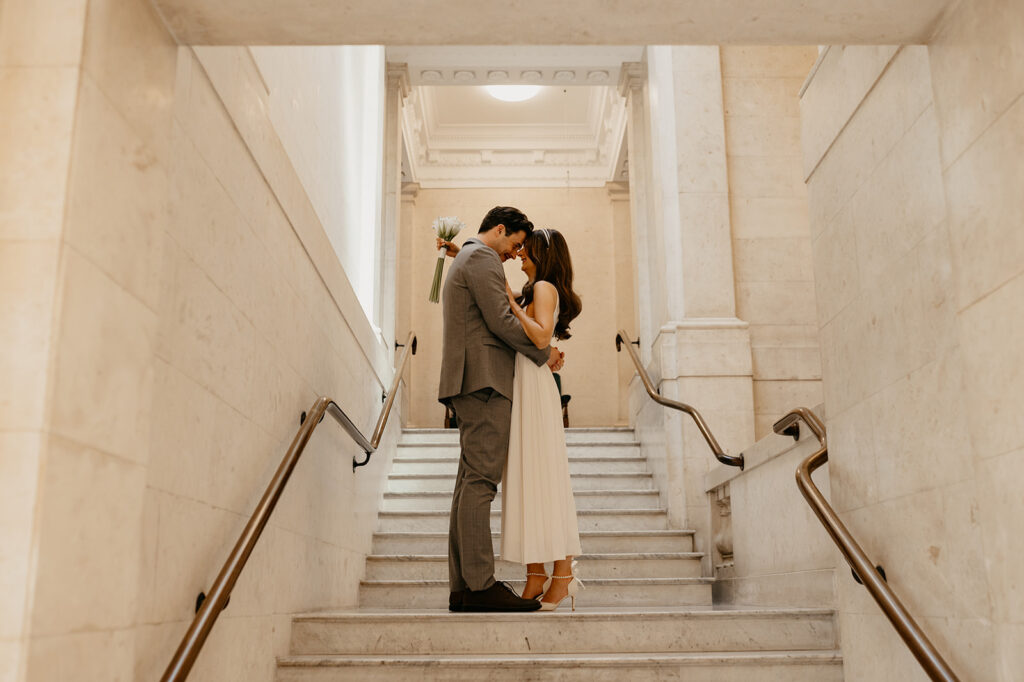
[544, 587]
[574, 586]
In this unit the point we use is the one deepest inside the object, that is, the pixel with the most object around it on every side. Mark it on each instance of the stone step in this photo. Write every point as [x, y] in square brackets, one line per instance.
[582, 450]
[594, 542]
[625, 630]
[589, 519]
[635, 592]
[407, 483]
[435, 566]
[585, 499]
[788, 666]
[577, 465]
[611, 434]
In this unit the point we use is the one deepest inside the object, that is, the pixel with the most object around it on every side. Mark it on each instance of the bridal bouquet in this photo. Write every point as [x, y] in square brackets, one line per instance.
[445, 228]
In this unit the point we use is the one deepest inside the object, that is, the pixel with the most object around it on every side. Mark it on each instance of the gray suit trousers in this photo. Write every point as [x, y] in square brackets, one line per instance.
[484, 419]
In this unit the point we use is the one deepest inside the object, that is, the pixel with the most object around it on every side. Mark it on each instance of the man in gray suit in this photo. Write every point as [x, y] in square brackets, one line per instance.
[481, 337]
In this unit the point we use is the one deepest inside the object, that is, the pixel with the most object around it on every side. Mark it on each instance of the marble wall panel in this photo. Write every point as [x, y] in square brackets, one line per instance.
[204, 318]
[765, 504]
[872, 650]
[766, 176]
[767, 134]
[855, 481]
[28, 277]
[933, 566]
[897, 365]
[1000, 506]
[76, 586]
[988, 245]
[774, 259]
[116, 211]
[900, 203]
[919, 434]
[103, 373]
[796, 363]
[790, 303]
[766, 217]
[21, 459]
[706, 251]
[992, 331]
[763, 62]
[894, 105]
[843, 78]
[977, 62]
[105, 655]
[198, 441]
[835, 261]
[131, 58]
[753, 95]
[35, 148]
[773, 399]
[975, 70]
[24, 22]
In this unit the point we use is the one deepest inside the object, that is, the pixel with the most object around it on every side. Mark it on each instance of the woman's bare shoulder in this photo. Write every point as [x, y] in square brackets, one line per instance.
[544, 286]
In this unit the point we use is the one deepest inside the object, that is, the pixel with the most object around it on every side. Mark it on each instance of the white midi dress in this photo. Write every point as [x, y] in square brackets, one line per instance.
[538, 512]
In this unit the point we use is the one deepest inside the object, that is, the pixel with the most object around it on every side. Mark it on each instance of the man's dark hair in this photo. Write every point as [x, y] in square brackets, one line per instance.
[513, 219]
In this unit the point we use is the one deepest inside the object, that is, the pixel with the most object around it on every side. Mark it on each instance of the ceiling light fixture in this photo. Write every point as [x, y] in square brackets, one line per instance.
[512, 93]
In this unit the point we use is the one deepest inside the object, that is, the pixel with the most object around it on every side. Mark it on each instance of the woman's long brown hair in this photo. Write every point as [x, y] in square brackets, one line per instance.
[550, 255]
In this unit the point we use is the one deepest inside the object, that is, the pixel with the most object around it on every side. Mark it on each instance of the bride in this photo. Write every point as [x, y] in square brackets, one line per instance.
[538, 520]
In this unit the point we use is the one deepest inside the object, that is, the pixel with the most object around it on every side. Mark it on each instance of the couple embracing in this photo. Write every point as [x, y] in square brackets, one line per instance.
[496, 375]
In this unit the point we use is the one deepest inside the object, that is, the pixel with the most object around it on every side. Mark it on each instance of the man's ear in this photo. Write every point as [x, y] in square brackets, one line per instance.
[501, 229]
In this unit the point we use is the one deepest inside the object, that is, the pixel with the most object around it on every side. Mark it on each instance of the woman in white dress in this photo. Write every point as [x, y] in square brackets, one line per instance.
[538, 520]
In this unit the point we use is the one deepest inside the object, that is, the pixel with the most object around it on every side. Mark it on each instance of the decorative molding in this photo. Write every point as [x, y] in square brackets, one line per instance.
[585, 154]
[410, 190]
[704, 323]
[546, 75]
[396, 77]
[723, 527]
[632, 77]
[617, 191]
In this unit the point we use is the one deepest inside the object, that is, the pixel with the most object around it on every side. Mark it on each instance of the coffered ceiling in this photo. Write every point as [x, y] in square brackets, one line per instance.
[570, 134]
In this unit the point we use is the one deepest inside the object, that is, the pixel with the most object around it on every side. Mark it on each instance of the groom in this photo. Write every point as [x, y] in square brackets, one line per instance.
[481, 336]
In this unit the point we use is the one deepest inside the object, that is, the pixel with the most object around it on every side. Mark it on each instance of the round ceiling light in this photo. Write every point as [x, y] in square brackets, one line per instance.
[512, 93]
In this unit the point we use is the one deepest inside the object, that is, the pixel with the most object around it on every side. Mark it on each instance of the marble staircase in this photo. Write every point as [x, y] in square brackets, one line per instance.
[646, 612]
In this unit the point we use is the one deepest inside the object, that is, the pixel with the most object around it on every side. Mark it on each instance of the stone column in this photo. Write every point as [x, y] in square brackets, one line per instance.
[625, 289]
[404, 296]
[697, 350]
[632, 84]
[397, 79]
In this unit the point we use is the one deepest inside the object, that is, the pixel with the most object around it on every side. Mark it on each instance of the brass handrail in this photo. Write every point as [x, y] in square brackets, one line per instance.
[863, 568]
[732, 460]
[220, 591]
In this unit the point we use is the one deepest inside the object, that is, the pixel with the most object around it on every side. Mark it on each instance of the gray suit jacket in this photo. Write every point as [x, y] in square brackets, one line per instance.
[481, 334]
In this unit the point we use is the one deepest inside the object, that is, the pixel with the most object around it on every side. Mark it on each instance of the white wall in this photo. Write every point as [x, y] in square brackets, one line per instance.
[179, 304]
[327, 106]
[912, 156]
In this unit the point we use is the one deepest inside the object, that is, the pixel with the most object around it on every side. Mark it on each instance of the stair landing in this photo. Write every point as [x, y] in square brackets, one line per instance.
[646, 610]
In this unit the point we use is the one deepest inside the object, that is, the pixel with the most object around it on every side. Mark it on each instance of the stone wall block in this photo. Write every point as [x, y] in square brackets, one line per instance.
[24, 21]
[991, 332]
[35, 148]
[117, 197]
[984, 213]
[73, 521]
